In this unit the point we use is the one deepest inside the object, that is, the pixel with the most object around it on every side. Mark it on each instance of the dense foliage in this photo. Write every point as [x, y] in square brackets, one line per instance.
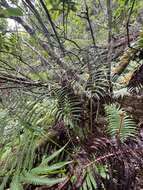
[70, 72]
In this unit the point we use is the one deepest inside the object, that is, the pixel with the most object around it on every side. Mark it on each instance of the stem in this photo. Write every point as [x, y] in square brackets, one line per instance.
[122, 115]
[110, 46]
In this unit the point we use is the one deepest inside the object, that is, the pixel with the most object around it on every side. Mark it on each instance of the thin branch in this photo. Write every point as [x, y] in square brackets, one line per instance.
[100, 158]
[37, 52]
[14, 69]
[52, 24]
[89, 23]
[38, 17]
[19, 58]
[110, 45]
[21, 81]
[128, 22]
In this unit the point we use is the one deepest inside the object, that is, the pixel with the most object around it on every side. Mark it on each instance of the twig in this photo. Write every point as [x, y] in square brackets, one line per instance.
[128, 21]
[110, 46]
[52, 24]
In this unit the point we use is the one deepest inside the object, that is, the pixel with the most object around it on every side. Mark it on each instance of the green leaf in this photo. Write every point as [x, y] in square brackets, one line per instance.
[49, 158]
[49, 169]
[90, 175]
[16, 184]
[88, 181]
[36, 180]
[85, 186]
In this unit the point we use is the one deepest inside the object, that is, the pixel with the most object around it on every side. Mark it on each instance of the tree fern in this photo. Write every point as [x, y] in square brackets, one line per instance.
[120, 125]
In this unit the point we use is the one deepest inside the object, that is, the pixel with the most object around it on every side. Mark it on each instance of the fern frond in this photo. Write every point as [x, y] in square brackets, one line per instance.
[120, 125]
[92, 178]
[52, 156]
[16, 183]
[50, 169]
[68, 106]
[37, 180]
[97, 83]
[91, 183]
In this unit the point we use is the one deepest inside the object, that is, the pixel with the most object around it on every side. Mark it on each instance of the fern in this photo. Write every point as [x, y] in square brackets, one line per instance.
[52, 156]
[49, 169]
[120, 125]
[37, 176]
[97, 83]
[89, 182]
[68, 107]
[37, 180]
[93, 173]
[16, 183]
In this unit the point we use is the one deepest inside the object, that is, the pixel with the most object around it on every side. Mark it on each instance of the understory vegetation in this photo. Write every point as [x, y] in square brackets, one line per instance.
[71, 102]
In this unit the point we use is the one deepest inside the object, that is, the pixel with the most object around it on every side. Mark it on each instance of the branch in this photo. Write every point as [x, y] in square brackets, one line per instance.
[89, 23]
[52, 24]
[14, 69]
[38, 17]
[19, 58]
[128, 21]
[22, 81]
[37, 52]
[110, 45]
[29, 29]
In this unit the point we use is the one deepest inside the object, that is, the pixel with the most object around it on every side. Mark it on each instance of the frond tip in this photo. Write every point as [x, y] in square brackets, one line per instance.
[120, 125]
